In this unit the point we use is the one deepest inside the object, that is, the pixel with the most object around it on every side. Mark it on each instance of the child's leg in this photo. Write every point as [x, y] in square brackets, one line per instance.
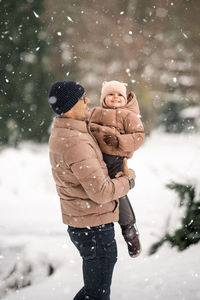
[127, 222]
[126, 213]
[114, 164]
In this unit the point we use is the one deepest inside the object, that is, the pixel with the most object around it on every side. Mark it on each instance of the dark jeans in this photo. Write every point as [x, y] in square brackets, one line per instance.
[114, 164]
[98, 249]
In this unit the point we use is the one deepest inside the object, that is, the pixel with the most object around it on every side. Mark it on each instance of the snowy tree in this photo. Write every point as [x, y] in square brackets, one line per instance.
[25, 80]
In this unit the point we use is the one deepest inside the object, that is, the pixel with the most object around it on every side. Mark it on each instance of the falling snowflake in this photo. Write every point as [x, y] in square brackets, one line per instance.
[52, 100]
[88, 205]
[36, 15]
[70, 19]
[185, 35]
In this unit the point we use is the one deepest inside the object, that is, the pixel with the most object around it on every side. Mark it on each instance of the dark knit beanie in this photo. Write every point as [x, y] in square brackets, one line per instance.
[63, 95]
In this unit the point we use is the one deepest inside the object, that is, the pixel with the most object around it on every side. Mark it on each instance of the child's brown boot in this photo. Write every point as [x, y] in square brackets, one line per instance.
[131, 236]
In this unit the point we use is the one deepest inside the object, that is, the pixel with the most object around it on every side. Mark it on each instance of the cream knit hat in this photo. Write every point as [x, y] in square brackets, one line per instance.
[113, 86]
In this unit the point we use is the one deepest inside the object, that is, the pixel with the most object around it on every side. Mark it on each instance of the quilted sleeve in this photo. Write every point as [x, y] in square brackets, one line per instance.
[134, 136]
[90, 174]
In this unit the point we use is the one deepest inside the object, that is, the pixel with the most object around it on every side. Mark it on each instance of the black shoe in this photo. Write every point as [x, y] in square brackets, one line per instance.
[131, 236]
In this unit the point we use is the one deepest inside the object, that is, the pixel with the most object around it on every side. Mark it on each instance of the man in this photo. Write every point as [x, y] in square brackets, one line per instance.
[88, 197]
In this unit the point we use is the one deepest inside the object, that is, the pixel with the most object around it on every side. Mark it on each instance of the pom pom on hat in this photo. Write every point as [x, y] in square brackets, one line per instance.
[113, 86]
[63, 95]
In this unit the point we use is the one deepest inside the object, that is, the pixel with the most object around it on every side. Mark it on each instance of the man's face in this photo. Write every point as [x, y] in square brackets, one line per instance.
[81, 108]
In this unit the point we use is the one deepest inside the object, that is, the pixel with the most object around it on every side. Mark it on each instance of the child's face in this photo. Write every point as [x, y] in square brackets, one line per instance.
[115, 100]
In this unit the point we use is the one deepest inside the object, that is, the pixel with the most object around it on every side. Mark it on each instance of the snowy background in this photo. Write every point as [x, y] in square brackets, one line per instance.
[154, 47]
[35, 250]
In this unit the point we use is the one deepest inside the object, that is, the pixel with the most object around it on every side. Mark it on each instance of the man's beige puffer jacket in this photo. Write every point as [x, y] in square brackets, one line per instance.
[88, 196]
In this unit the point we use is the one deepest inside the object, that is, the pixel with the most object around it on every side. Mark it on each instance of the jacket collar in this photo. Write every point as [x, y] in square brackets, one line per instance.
[70, 123]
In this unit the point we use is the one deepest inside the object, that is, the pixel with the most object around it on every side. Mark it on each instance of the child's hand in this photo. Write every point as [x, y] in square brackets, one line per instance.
[111, 140]
[130, 96]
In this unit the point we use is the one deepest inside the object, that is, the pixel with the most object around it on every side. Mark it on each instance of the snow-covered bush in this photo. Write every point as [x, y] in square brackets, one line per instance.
[189, 233]
[30, 267]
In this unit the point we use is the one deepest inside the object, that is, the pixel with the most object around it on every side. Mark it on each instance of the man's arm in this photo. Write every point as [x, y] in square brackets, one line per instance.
[90, 173]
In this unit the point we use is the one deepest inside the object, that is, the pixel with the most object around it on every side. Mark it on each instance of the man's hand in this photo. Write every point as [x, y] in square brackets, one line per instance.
[111, 140]
[127, 172]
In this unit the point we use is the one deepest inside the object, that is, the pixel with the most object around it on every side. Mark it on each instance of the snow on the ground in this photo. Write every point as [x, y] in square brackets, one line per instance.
[34, 240]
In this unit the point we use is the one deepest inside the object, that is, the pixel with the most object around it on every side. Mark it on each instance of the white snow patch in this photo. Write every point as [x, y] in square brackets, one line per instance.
[31, 230]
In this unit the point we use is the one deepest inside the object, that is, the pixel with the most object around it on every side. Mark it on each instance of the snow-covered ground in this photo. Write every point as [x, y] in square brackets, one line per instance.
[34, 243]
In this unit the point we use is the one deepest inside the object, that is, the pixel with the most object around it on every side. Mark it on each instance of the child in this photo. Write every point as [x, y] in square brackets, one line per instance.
[119, 131]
